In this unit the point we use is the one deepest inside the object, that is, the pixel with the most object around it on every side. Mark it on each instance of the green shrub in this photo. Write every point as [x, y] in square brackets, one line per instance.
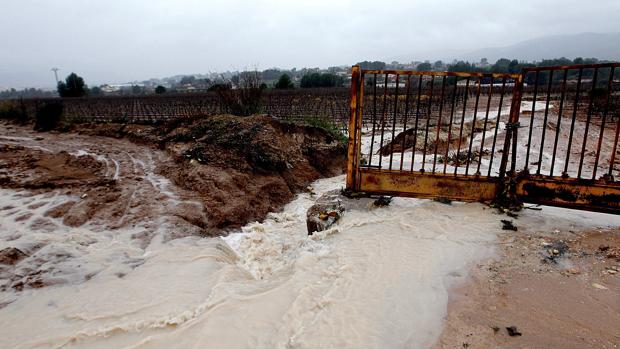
[48, 116]
[328, 125]
[10, 110]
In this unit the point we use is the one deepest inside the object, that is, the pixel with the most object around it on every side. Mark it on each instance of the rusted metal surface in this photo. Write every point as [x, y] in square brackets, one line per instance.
[353, 147]
[570, 129]
[597, 196]
[430, 186]
[454, 135]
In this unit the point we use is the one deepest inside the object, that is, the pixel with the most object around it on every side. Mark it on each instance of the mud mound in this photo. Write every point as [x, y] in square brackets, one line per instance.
[35, 169]
[405, 140]
[11, 256]
[241, 168]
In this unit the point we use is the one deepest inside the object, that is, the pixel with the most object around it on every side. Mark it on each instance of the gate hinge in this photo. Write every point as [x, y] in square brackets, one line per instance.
[512, 125]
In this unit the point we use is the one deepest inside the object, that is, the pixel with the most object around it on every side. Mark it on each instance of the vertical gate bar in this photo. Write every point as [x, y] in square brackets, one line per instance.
[610, 83]
[454, 93]
[515, 114]
[613, 150]
[499, 115]
[484, 128]
[402, 154]
[352, 148]
[515, 106]
[417, 117]
[588, 119]
[529, 137]
[360, 118]
[458, 149]
[374, 119]
[428, 121]
[441, 101]
[572, 124]
[473, 125]
[544, 130]
[383, 118]
[394, 122]
[559, 123]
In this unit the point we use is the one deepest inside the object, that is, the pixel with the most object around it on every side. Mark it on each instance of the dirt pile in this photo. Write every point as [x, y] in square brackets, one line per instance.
[405, 140]
[241, 168]
[22, 167]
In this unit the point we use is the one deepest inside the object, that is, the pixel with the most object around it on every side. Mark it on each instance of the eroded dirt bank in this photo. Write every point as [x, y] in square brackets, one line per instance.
[241, 168]
[117, 182]
[238, 168]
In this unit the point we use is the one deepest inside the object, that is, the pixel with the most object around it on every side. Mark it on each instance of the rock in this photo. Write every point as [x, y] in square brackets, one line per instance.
[326, 211]
[513, 331]
[11, 256]
[507, 225]
[599, 286]
[383, 201]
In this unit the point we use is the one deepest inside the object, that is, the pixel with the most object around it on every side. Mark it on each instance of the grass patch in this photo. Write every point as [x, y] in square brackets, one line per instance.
[328, 125]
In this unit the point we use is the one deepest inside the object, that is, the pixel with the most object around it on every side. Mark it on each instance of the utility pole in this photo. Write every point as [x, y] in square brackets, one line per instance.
[55, 70]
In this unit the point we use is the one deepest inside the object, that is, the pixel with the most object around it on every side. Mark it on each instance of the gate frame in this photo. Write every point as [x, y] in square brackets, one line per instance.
[602, 195]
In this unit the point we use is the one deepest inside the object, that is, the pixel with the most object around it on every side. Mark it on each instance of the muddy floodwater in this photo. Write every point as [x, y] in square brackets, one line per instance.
[379, 279]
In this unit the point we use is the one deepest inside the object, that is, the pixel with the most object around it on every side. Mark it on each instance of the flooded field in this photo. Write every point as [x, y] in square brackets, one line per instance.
[144, 278]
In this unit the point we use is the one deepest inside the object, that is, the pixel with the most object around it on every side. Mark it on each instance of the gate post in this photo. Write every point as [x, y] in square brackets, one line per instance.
[507, 194]
[353, 151]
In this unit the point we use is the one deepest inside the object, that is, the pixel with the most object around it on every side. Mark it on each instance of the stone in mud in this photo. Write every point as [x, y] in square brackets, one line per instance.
[11, 256]
[325, 212]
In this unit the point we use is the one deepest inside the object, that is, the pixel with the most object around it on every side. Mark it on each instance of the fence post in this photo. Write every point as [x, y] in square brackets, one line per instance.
[352, 153]
[507, 194]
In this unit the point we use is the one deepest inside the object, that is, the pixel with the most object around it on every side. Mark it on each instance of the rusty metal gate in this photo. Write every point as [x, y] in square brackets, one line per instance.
[547, 135]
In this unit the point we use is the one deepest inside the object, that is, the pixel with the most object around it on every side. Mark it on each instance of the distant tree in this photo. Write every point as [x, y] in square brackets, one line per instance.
[94, 91]
[284, 82]
[73, 86]
[271, 74]
[462, 66]
[160, 90]
[244, 100]
[235, 79]
[501, 66]
[218, 87]
[25, 93]
[513, 66]
[320, 80]
[136, 90]
[375, 65]
[426, 66]
[187, 80]
[438, 65]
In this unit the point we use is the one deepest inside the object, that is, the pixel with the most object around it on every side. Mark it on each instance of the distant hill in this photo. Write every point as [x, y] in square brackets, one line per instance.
[602, 46]
[598, 45]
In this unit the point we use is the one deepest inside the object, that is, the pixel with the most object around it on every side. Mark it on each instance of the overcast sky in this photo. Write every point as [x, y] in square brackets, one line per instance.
[118, 41]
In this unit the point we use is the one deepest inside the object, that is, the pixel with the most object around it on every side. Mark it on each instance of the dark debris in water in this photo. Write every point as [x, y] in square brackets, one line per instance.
[508, 225]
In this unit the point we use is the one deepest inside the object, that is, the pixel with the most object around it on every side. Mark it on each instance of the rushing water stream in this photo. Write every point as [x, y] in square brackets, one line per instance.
[379, 279]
